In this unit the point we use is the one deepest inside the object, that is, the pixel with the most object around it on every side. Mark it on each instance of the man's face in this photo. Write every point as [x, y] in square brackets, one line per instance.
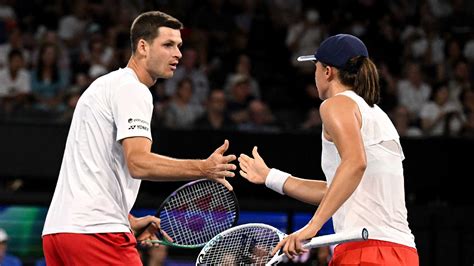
[164, 54]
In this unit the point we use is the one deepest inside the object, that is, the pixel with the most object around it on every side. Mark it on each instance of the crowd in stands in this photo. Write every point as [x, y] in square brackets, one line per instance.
[238, 70]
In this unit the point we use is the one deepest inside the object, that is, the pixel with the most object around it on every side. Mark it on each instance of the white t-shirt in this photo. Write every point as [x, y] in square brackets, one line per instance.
[378, 203]
[95, 191]
[10, 87]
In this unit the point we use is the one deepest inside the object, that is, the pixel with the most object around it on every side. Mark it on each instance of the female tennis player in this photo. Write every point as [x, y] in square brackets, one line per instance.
[361, 159]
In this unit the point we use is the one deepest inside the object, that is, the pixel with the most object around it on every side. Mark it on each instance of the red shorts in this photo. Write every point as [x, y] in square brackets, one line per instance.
[91, 249]
[374, 253]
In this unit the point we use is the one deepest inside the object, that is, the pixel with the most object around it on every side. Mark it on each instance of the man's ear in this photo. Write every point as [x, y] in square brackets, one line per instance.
[142, 47]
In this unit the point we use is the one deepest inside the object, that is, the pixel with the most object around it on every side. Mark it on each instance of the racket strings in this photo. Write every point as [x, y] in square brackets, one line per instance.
[246, 246]
[197, 213]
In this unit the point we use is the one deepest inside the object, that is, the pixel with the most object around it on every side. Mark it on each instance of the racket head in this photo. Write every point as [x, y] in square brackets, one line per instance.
[246, 244]
[197, 211]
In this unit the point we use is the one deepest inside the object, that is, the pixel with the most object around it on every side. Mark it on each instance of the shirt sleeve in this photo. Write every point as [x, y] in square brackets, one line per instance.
[132, 110]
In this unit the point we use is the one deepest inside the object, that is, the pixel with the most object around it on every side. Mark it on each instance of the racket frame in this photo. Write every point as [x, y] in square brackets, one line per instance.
[163, 241]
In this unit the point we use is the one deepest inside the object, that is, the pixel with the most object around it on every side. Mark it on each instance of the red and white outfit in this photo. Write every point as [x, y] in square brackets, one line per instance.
[95, 192]
[378, 203]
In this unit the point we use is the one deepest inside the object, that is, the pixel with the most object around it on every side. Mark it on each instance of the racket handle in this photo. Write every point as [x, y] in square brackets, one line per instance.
[338, 238]
[327, 240]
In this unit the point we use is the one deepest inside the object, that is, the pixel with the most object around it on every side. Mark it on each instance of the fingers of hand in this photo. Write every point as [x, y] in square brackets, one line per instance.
[245, 158]
[229, 158]
[243, 174]
[166, 236]
[225, 183]
[278, 247]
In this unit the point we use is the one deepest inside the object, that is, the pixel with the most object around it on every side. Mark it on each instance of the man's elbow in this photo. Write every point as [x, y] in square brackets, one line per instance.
[136, 170]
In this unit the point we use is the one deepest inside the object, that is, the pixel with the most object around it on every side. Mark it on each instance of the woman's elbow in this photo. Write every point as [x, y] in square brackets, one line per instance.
[360, 167]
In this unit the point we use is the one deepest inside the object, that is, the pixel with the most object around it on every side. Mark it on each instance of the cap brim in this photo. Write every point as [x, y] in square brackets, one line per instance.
[306, 58]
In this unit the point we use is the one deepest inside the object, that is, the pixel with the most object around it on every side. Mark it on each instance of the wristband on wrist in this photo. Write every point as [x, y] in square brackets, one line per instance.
[276, 179]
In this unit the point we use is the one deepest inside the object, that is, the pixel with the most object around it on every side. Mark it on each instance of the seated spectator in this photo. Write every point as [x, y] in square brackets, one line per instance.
[5, 258]
[239, 98]
[401, 120]
[15, 42]
[182, 112]
[216, 116]
[261, 118]
[48, 81]
[467, 129]
[15, 86]
[189, 68]
[243, 68]
[439, 116]
[413, 91]
[313, 121]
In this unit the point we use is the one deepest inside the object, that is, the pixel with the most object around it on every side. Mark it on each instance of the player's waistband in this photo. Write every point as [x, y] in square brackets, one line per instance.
[370, 243]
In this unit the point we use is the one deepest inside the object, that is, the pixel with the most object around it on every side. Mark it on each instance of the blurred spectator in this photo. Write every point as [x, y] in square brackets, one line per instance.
[468, 51]
[182, 112]
[439, 116]
[161, 102]
[401, 120]
[5, 258]
[99, 56]
[388, 89]
[14, 83]
[453, 54]
[238, 99]
[216, 116]
[15, 42]
[312, 121]
[48, 81]
[261, 118]
[302, 37]
[459, 82]
[412, 91]
[214, 24]
[243, 69]
[467, 129]
[71, 26]
[189, 68]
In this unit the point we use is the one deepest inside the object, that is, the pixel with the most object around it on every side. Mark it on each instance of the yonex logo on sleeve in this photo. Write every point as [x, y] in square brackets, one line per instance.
[132, 127]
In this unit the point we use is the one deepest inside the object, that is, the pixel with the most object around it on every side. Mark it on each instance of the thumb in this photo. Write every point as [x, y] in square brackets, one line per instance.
[255, 153]
[223, 148]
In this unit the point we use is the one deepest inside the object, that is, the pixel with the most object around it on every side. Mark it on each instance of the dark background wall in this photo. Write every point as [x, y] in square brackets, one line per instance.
[438, 173]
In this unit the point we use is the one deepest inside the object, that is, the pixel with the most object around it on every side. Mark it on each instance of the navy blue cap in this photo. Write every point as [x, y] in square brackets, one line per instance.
[337, 50]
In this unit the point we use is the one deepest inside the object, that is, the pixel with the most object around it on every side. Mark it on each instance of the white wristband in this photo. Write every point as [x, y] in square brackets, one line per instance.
[276, 179]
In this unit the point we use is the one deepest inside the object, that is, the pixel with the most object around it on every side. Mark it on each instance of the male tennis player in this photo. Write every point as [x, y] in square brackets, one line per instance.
[108, 153]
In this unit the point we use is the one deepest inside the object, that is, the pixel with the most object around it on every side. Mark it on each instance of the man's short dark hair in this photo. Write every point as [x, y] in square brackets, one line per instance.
[146, 25]
[14, 53]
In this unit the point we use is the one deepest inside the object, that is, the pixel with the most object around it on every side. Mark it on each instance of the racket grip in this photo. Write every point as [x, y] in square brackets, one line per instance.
[327, 240]
[338, 238]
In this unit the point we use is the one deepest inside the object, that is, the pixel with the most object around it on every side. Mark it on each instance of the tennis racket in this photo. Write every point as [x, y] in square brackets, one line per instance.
[252, 244]
[196, 212]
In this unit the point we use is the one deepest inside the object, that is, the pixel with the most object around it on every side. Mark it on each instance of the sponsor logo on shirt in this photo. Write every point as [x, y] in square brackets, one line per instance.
[137, 123]
[137, 120]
